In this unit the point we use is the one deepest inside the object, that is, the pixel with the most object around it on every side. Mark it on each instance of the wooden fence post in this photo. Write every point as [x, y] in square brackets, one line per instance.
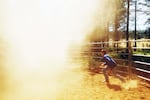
[129, 60]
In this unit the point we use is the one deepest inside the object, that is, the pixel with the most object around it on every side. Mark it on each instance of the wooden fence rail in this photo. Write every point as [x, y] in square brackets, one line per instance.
[130, 62]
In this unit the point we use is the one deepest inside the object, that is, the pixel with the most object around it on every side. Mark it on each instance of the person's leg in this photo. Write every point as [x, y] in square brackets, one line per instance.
[117, 75]
[105, 74]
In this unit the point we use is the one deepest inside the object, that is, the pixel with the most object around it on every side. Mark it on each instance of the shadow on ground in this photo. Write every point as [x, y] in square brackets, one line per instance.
[115, 87]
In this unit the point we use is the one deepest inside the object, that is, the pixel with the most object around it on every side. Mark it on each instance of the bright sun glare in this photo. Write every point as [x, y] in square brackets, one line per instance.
[45, 29]
[40, 32]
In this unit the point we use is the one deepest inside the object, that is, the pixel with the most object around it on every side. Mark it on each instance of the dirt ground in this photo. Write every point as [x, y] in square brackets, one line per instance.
[82, 85]
[71, 84]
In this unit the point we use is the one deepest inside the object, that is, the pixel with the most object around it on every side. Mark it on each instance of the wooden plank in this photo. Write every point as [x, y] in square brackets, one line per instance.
[143, 70]
[144, 63]
[143, 78]
[122, 72]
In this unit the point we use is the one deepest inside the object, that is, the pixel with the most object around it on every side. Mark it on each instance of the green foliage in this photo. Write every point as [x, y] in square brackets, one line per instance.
[115, 55]
[142, 51]
[93, 63]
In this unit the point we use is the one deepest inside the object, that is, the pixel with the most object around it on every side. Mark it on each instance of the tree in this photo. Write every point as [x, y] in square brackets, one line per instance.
[142, 12]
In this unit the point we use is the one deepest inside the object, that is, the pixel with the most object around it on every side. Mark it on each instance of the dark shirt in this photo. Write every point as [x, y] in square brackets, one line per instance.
[108, 61]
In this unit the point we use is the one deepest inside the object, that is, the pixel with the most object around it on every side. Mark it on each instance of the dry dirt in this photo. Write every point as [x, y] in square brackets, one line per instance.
[82, 85]
[71, 84]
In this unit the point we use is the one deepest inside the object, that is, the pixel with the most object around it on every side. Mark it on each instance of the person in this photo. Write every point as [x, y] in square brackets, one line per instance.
[109, 66]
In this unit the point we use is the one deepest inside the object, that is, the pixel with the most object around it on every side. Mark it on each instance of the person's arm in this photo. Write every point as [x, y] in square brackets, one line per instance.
[104, 61]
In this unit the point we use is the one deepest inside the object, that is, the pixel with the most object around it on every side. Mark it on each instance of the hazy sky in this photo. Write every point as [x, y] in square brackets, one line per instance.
[141, 17]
